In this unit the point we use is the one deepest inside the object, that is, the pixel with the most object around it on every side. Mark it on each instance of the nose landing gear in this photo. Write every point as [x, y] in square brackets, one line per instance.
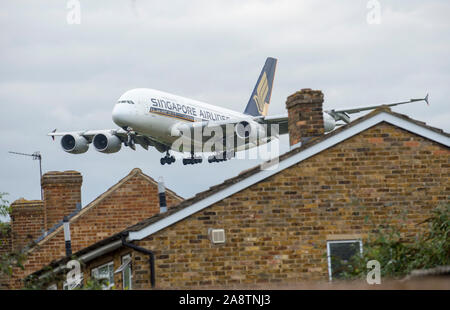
[167, 159]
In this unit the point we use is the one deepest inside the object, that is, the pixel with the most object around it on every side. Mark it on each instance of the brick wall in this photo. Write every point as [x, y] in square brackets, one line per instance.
[27, 222]
[130, 201]
[277, 230]
[62, 192]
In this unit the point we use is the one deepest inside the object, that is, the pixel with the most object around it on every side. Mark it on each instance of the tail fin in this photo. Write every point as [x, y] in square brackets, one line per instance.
[260, 98]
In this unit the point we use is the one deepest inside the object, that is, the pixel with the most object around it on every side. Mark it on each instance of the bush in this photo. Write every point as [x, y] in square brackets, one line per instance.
[10, 259]
[397, 256]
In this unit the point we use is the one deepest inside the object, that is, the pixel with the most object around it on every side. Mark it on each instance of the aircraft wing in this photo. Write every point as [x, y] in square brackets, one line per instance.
[280, 120]
[225, 130]
[142, 140]
[342, 115]
[88, 134]
[228, 125]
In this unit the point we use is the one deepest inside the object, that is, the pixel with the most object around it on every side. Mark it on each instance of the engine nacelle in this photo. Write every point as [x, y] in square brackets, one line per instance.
[328, 122]
[107, 143]
[74, 144]
[250, 130]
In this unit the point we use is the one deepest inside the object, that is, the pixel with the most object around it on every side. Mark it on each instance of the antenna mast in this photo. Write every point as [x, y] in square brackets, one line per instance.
[36, 156]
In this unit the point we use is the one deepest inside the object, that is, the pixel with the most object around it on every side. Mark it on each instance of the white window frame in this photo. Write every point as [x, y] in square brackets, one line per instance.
[95, 270]
[125, 266]
[340, 241]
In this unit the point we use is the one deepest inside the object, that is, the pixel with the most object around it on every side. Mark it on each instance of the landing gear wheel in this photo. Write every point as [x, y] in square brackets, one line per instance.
[192, 160]
[220, 157]
[167, 159]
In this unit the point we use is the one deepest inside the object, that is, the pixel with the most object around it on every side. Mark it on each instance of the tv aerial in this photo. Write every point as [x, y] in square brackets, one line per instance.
[36, 156]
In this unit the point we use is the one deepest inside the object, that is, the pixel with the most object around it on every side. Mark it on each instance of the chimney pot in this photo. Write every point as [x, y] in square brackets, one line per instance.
[62, 193]
[305, 115]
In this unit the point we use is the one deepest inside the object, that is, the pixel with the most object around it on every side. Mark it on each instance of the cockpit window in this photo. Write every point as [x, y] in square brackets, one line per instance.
[125, 101]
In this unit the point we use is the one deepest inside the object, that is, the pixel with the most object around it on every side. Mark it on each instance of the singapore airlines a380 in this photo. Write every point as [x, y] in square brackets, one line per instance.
[167, 122]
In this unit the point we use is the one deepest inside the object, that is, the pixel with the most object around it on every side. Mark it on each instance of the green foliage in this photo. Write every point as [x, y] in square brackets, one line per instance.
[33, 282]
[397, 256]
[5, 208]
[95, 284]
[10, 259]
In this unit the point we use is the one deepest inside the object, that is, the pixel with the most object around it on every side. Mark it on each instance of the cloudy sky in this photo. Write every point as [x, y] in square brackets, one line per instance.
[54, 74]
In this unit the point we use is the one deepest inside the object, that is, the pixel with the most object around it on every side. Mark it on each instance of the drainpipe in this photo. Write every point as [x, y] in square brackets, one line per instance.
[144, 251]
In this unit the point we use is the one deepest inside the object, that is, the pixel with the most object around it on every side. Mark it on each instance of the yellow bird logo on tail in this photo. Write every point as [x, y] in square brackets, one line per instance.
[261, 94]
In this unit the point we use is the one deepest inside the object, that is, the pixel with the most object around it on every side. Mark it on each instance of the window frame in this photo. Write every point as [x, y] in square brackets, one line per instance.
[110, 263]
[129, 265]
[330, 275]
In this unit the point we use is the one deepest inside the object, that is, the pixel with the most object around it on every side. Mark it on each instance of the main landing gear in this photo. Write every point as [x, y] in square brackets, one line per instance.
[197, 159]
[192, 160]
[220, 157]
[167, 159]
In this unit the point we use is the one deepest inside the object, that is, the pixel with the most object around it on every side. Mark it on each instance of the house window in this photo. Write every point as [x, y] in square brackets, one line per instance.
[339, 252]
[127, 275]
[105, 271]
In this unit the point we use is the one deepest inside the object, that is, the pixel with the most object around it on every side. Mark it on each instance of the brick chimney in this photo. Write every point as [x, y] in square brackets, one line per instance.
[27, 222]
[62, 192]
[305, 116]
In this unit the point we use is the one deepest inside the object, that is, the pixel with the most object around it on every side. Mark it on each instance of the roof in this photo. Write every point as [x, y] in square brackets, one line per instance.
[261, 172]
[81, 211]
[258, 173]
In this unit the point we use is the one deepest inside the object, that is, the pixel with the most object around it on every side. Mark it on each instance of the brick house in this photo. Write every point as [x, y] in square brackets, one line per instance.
[283, 225]
[36, 226]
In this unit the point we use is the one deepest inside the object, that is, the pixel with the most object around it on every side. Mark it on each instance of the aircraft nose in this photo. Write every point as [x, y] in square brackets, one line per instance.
[120, 115]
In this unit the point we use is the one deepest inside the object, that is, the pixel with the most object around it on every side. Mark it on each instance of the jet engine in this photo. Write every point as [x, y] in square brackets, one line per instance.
[107, 143]
[74, 143]
[250, 130]
[328, 122]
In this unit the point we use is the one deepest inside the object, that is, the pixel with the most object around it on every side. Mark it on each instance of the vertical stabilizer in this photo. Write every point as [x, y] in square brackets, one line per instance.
[260, 98]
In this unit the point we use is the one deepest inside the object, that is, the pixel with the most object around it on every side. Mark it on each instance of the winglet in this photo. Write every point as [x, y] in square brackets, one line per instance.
[426, 99]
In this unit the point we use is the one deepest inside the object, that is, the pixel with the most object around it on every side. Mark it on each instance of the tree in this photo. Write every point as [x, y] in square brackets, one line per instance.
[5, 208]
[398, 256]
[8, 259]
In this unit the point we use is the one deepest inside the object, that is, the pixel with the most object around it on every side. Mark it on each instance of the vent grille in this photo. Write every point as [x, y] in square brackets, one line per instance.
[216, 235]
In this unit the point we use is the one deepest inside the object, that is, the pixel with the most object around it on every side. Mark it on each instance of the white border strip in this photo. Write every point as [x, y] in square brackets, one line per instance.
[263, 174]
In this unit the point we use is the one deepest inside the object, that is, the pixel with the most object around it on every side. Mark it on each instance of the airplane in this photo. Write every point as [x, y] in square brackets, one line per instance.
[159, 119]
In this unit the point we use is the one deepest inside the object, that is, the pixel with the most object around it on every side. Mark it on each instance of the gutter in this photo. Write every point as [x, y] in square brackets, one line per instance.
[88, 256]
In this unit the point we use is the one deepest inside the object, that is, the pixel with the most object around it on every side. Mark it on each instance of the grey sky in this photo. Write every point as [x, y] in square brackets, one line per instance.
[56, 75]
